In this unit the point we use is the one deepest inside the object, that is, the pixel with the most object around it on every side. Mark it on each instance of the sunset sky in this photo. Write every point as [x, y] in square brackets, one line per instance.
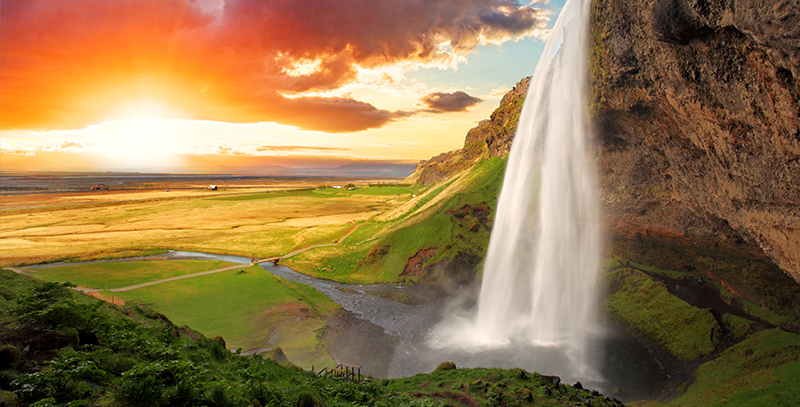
[244, 85]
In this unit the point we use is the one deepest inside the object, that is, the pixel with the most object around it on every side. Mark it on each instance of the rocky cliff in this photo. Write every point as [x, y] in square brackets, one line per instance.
[490, 138]
[697, 107]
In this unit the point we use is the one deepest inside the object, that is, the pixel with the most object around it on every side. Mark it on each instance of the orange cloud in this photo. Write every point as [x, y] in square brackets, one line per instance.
[67, 64]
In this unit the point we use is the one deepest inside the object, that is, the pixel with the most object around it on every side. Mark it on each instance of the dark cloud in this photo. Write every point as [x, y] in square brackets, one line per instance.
[63, 63]
[439, 102]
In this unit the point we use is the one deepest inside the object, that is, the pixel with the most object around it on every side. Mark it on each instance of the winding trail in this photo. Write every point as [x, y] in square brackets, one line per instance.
[89, 290]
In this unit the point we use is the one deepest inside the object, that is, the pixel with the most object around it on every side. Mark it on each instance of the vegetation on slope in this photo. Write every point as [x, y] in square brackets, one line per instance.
[62, 348]
[720, 348]
[248, 306]
[439, 236]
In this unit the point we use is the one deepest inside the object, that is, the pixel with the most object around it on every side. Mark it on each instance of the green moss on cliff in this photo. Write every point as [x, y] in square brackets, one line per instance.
[736, 266]
[599, 64]
[680, 329]
[763, 370]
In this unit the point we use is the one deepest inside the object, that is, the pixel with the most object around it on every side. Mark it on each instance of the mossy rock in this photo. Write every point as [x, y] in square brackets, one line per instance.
[682, 330]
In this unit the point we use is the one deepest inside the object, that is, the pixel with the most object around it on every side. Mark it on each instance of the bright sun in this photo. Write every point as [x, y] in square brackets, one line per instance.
[145, 135]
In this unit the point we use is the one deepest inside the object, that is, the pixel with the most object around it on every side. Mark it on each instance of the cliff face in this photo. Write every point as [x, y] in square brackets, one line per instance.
[697, 108]
[490, 138]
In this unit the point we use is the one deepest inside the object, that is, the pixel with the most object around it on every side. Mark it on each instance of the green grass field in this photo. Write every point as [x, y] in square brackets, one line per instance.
[126, 273]
[248, 309]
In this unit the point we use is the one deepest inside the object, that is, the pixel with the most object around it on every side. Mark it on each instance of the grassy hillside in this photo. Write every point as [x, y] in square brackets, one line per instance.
[440, 235]
[62, 348]
[248, 306]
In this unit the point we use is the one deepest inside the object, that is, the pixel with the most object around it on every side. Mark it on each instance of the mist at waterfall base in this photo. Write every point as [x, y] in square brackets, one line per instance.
[537, 303]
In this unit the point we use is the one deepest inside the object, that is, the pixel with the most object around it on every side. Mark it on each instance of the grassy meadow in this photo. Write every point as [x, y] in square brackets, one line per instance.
[249, 308]
[126, 273]
[258, 223]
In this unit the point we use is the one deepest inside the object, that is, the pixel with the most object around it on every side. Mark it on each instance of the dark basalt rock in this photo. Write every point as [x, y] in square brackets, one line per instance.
[676, 21]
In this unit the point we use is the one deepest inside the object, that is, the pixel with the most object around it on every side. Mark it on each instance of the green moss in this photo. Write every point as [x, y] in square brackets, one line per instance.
[738, 267]
[739, 327]
[763, 370]
[682, 330]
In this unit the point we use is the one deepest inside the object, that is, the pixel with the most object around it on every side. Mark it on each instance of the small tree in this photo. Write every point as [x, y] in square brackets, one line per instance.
[350, 187]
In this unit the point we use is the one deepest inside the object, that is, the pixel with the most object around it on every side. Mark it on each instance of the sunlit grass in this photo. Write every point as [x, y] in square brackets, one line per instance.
[258, 225]
[123, 274]
[248, 309]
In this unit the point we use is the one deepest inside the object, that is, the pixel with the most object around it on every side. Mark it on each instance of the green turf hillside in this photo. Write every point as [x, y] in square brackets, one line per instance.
[446, 226]
[62, 348]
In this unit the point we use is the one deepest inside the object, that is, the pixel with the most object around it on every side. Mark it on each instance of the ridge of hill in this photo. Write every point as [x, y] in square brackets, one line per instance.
[490, 138]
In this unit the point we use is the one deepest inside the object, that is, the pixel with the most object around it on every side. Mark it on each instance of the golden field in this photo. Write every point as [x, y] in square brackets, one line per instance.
[252, 220]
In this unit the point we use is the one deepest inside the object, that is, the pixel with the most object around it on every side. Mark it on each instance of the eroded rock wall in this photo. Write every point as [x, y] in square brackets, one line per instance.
[697, 108]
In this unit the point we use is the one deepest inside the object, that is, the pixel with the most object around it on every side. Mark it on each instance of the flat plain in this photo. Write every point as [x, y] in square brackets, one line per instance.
[249, 219]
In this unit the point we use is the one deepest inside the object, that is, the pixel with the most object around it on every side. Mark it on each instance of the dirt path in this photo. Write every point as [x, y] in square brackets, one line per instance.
[203, 273]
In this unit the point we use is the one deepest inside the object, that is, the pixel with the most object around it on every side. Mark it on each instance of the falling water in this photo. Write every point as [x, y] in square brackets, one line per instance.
[539, 277]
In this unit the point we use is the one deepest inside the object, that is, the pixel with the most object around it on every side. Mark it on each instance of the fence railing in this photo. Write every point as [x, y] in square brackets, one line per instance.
[344, 371]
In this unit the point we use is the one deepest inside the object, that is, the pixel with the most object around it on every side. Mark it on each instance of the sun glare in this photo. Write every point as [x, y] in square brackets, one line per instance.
[145, 110]
[144, 143]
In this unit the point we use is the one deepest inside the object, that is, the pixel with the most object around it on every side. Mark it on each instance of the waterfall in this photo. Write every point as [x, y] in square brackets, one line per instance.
[537, 302]
[539, 275]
